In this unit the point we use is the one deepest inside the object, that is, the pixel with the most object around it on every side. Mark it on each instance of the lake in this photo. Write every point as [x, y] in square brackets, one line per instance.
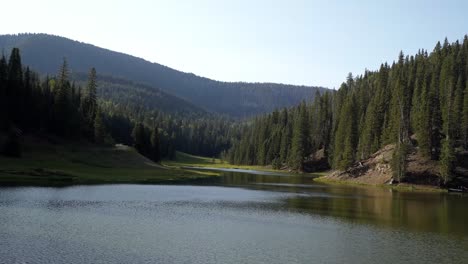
[236, 218]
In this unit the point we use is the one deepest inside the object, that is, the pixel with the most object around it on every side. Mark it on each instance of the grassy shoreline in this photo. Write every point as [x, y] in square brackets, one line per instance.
[187, 160]
[45, 164]
[75, 164]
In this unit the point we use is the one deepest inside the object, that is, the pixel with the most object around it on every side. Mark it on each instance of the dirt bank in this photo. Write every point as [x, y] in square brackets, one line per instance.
[375, 170]
[421, 171]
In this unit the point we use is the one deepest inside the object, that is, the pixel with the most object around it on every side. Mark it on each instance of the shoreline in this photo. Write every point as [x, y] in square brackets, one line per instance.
[399, 187]
[175, 177]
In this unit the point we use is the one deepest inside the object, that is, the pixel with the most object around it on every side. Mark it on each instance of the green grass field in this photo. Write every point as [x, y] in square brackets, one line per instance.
[64, 164]
[187, 160]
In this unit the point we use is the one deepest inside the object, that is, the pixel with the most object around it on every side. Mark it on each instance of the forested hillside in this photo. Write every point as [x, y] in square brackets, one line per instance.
[418, 103]
[138, 97]
[45, 52]
[418, 106]
[54, 107]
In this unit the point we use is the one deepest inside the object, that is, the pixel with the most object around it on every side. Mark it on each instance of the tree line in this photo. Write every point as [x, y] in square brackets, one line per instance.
[52, 105]
[56, 105]
[418, 102]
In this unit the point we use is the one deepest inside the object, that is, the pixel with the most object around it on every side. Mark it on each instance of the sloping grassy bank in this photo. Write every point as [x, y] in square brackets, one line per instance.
[186, 160]
[75, 163]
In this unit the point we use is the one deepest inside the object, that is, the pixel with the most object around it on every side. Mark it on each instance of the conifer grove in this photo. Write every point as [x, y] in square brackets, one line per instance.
[418, 103]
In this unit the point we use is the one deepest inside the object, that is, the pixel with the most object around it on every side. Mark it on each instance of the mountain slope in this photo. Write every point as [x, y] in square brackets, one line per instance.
[44, 53]
[131, 95]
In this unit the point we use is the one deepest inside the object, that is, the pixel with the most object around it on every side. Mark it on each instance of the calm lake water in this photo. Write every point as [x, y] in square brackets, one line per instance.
[237, 218]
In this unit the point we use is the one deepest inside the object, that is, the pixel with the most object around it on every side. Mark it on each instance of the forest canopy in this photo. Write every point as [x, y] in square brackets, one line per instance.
[419, 102]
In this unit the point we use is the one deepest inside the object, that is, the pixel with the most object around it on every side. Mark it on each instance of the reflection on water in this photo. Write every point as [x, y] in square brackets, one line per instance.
[384, 207]
[236, 218]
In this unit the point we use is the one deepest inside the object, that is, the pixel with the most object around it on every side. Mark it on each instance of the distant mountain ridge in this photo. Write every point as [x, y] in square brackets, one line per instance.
[44, 53]
[128, 94]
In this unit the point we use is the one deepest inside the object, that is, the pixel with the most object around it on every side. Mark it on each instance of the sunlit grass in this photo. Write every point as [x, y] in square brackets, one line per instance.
[187, 160]
[74, 164]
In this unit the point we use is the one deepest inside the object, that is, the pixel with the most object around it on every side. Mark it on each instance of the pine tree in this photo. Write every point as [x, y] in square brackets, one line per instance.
[326, 123]
[346, 136]
[457, 110]
[399, 162]
[62, 101]
[26, 102]
[3, 93]
[401, 121]
[155, 145]
[436, 118]
[262, 142]
[434, 103]
[89, 103]
[464, 123]
[14, 87]
[446, 87]
[139, 138]
[172, 150]
[296, 156]
[370, 132]
[447, 160]
[299, 142]
[91, 92]
[423, 119]
[99, 128]
[285, 144]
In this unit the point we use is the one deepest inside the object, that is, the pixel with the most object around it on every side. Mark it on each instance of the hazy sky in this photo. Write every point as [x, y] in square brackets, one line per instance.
[299, 42]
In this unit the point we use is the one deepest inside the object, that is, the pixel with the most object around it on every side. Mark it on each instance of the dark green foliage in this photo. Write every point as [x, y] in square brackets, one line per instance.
[464, 121]
[49, 106]
[422, 117]
[99, 128]
[12, 146]
[285, 144]
[458, 109]
[62, 101]
[89, 106]
[399, 161]
[58, 106]
[155, 145]
[346, 136]
[14, 88]
[447, 160]
[299, 142]
[4, 111]
[419, 103]
[135, 95]
[141, 139]
[276, 163]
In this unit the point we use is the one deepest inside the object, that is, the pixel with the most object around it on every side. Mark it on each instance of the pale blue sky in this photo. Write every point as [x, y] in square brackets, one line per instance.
[289, 41]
